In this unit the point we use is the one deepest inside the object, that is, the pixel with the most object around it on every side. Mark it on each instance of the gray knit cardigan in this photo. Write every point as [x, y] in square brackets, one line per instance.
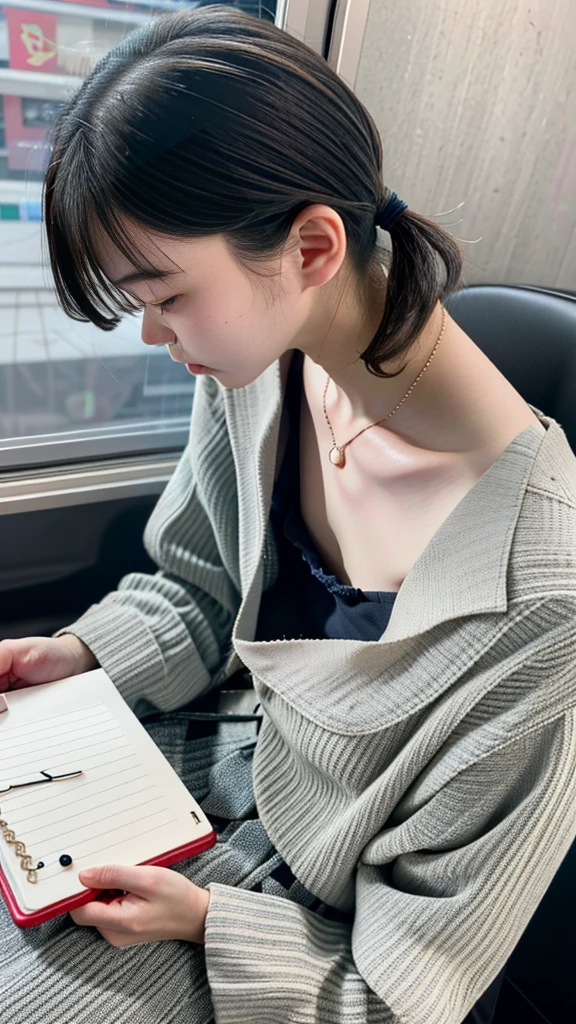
[425, 781]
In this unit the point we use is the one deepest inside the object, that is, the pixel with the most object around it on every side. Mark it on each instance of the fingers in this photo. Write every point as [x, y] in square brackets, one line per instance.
[118, 915]
[25, 684]
[157, 904]
[141, 880]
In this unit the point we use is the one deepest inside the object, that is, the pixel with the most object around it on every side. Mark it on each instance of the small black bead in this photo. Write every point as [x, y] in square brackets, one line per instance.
[40, 864]
[65, 860]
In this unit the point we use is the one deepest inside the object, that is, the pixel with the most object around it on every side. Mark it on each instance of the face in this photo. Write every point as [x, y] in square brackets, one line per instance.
[218, 315]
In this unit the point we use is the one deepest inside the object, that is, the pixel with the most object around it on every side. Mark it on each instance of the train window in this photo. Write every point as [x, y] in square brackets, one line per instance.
[447, 857]
[69, 390]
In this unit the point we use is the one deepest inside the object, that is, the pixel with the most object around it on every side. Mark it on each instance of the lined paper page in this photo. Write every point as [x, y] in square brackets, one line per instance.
[128, 806]
[113, 801]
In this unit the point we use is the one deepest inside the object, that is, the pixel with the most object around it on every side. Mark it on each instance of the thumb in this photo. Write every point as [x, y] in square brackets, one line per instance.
[138, 880]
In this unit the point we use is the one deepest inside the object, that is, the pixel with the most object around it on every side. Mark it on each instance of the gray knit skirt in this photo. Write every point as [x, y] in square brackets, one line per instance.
[59, 971]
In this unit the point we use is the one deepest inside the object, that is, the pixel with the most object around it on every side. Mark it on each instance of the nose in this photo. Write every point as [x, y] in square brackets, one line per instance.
[154, 333]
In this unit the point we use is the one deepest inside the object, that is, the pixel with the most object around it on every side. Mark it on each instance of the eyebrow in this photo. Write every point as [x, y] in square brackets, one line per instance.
[145, 275]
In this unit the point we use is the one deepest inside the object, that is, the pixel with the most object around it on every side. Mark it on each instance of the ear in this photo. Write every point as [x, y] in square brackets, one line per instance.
[322, 243]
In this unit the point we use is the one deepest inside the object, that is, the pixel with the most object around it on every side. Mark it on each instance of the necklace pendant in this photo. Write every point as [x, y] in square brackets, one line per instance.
[337, 457]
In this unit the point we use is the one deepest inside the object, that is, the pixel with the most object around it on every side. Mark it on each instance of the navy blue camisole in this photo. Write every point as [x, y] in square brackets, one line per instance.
[305, 602]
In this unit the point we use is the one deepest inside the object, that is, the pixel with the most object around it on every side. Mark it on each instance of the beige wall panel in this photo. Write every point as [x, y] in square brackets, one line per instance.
[476, 104]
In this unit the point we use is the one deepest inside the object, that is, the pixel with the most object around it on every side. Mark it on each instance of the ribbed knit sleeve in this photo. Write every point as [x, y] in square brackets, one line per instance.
[162, 636]
[271, 961]
[442, 898]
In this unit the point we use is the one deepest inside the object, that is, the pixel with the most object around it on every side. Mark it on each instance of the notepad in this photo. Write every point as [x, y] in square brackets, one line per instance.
[127, 807]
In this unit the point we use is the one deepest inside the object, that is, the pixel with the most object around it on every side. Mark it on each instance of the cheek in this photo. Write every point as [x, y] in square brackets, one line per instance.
[214, 315]
[231, 325]
[237, 333]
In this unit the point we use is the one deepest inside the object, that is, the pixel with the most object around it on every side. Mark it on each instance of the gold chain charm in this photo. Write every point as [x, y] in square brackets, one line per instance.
[26, 862]
[336, 456]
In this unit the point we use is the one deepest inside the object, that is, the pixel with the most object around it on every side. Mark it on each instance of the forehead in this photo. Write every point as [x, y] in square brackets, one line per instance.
[151, 252]
[155, 258]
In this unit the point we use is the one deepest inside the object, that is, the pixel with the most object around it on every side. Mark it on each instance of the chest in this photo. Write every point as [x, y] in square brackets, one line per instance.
[369, 531]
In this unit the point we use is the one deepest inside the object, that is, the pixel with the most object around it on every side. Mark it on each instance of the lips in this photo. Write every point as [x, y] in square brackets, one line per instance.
[197, 368]
[191, 367]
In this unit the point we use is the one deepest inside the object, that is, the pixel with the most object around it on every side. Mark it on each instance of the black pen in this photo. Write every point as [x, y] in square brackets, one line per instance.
[38, 782]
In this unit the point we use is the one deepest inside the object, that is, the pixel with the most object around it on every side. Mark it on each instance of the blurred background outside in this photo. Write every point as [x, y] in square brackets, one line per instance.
[56, 374]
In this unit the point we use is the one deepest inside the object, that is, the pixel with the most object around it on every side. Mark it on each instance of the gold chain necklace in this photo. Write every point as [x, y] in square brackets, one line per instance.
[336, 453]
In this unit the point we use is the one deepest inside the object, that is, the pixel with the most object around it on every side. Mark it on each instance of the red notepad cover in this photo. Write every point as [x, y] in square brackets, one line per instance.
[25, 920]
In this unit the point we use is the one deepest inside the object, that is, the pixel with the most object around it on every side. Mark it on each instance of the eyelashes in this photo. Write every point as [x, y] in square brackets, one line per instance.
[167, 303]
[162, 306]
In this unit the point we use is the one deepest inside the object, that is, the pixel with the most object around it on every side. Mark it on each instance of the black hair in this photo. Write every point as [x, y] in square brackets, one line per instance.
[213, 121]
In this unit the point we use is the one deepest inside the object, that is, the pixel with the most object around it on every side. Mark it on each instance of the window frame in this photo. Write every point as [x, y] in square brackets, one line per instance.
[85, 445]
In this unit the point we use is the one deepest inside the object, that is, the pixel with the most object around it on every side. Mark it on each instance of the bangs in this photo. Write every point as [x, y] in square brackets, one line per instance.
[79, 219]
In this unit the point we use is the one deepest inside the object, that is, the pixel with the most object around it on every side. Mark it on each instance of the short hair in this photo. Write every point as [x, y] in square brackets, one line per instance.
[213, 121]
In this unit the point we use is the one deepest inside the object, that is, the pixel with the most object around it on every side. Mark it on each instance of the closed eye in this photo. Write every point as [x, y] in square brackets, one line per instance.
[167, 303]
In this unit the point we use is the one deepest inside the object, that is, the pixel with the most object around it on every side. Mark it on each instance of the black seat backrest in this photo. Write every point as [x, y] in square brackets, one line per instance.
[529, 333]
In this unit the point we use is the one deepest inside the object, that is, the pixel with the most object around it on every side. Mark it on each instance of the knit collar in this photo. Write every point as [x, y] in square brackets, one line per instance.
[463, 569]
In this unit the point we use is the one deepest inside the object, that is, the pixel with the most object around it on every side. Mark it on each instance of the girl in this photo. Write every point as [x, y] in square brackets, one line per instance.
[390, 604]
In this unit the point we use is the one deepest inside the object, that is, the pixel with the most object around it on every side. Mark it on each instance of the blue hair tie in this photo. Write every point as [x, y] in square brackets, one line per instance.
[393, 208]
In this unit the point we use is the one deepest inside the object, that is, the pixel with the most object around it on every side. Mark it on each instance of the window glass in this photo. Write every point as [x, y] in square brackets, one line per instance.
[59, 377]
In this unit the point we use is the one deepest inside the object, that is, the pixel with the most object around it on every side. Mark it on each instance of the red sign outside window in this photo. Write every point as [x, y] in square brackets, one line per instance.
[32, 40]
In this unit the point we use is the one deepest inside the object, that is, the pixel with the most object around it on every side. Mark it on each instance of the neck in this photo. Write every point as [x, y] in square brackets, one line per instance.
[356, 397]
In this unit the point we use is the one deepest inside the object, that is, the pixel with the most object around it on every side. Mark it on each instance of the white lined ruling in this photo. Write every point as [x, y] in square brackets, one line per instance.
[87, 815]
[127, 806]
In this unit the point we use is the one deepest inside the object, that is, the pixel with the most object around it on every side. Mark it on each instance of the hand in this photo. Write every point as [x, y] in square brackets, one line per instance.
[159, 904]
[41, 659]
